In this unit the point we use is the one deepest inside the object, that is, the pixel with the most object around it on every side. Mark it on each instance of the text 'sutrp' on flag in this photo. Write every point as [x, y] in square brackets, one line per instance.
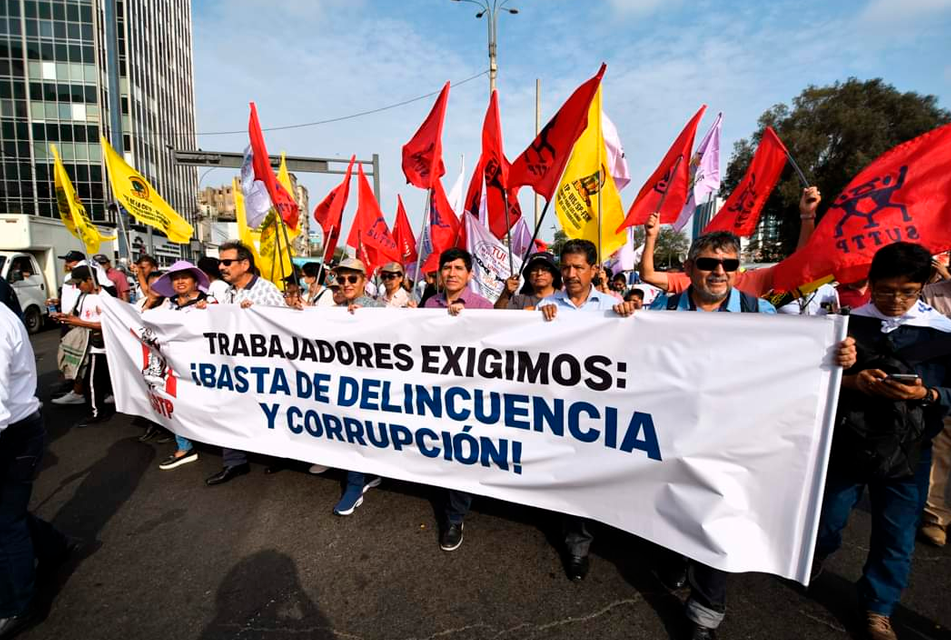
[138, 197]
[71, 209]
[903, 195]
[587, 199]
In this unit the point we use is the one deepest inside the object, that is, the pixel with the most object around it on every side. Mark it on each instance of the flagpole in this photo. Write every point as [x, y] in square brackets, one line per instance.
[802, 176]
[508, 231]
[422, 233]
[601, 179]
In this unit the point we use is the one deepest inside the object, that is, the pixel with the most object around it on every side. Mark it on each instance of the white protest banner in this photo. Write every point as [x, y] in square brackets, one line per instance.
[707, 433]
[490, 260]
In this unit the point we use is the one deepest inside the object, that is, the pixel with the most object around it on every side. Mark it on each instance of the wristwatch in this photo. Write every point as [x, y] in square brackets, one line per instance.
[928, 400]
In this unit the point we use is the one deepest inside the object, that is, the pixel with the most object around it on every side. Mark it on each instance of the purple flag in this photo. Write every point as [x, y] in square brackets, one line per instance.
[704, 173]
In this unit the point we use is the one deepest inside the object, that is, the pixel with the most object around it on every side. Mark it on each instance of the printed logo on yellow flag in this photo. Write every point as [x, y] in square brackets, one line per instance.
[141, 200]
[587, 175]
[71, 209]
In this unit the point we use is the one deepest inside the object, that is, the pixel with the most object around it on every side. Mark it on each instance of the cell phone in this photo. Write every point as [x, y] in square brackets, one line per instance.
[904, 378]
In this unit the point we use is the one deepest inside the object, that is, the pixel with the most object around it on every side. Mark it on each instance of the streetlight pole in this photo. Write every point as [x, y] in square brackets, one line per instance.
[492, 8]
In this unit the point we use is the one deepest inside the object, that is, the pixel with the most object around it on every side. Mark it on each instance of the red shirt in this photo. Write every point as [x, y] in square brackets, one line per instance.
[118, 278]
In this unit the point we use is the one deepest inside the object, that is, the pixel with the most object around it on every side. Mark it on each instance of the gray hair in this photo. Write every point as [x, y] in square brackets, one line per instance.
[723, 240]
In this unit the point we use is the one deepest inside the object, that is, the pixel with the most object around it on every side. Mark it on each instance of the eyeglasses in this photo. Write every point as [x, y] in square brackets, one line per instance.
[390, 276]
[227, 262]
[896, 295]
[710, 264]
[350, 279]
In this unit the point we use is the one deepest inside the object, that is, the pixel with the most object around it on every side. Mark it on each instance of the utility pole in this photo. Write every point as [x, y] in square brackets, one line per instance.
[492, 8]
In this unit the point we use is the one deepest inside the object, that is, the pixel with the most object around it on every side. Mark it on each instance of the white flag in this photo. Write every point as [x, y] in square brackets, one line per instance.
[257, 202]
[617, 161]
[490, 258]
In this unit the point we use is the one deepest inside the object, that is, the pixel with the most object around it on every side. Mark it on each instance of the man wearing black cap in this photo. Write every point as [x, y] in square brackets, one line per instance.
[542, 279]
[88, 314]
[118, 280]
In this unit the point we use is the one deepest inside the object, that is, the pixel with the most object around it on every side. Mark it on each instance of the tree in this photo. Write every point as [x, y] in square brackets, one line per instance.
[671, 248]
[832, 132]
[560, 239]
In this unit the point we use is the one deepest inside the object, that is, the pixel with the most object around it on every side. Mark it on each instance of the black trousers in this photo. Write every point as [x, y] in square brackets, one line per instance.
[25, 540]
[98, 383]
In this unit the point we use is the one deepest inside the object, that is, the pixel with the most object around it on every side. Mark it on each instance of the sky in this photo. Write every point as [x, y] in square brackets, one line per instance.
[304, 61]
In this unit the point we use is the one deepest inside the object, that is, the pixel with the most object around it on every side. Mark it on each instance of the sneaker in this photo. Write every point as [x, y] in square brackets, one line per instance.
[110, 399]
[933, 534]
[176, 460]
[351, 499]
[88, 421]
[317, 469]
[70, 398]
[879, 627]
[450, 538]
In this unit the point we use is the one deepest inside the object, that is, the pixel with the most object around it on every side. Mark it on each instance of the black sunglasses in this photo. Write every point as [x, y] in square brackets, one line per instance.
[227, 262]
[387, 275]
[710, 264]
[350, 279]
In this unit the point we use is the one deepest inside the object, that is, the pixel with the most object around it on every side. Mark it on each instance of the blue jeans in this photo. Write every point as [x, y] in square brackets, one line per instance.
[896, 510]
[184, 444]
[24, 538]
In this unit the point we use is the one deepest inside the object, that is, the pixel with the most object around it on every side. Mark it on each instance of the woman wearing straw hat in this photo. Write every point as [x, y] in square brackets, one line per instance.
[184, 285]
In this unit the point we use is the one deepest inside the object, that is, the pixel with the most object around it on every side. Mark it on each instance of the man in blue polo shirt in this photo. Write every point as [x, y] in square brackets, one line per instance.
[579, 265]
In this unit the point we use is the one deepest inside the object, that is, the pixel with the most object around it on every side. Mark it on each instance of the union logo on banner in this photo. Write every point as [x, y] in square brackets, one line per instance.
[157, 374]
[869, 199]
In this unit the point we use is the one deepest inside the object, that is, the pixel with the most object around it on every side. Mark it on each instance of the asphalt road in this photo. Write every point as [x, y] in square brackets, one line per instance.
[164, 556]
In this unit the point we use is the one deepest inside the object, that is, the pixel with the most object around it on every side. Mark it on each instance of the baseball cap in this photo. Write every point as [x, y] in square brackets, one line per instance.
[351, 264]
[79, 274]
[392, 267]
[72, 256]
[101, 258]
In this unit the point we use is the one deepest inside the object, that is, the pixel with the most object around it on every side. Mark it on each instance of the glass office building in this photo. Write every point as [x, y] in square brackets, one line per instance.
[54, 87]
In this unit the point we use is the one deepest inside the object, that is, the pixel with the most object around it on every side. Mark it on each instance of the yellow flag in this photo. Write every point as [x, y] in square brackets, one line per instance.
[587, 174]
[245, 234]
[285, 179]
[141, 200]
[72, 211]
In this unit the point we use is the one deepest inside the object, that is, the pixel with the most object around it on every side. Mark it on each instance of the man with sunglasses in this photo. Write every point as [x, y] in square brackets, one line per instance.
[351, 276]
[236, 263]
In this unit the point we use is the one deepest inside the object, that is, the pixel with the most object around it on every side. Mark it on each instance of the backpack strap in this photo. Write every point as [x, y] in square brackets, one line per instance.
[673, 301]
[748, 303]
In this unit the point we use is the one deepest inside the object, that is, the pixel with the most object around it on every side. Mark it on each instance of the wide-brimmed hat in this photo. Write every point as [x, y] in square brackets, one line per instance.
[163, 286]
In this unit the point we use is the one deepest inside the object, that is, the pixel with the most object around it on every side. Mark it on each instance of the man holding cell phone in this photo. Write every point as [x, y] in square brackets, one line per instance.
[892, 405]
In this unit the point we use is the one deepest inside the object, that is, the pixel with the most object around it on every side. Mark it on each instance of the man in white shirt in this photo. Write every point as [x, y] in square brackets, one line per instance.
[89, 315]
[29, 547]
[236, 263]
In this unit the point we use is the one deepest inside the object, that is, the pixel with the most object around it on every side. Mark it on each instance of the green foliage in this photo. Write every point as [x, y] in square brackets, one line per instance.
[671, 246]
[560, 239]
[832, 132]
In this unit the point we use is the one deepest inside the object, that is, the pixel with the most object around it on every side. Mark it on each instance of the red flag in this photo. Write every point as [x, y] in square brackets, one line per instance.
[904, 195]
[540, 166]
[422, 156]
[473, 201]
[369, 232]
[329, 213]
[676, 162]
[443, 224]
[741, 210]
[280, 198]
[403, 235]
[495, 171]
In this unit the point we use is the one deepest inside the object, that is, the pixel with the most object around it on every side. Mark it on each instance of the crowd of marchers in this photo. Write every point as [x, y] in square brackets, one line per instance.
[890, 436]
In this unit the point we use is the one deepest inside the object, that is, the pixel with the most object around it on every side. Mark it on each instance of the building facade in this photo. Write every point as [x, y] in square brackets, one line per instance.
[54, 88]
